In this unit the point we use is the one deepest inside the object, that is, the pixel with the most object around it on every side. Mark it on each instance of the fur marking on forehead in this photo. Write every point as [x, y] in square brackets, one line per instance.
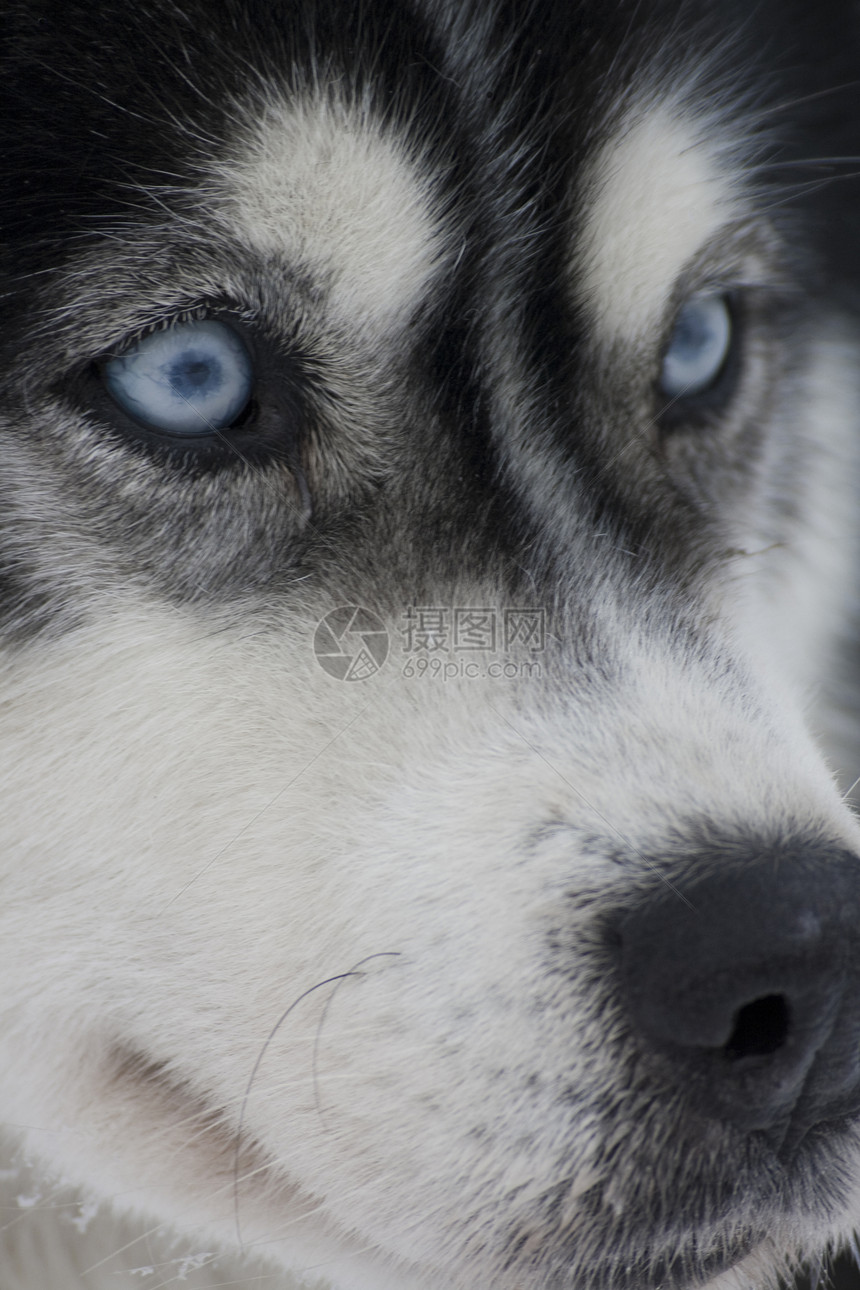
[657, 192]
[329, 189]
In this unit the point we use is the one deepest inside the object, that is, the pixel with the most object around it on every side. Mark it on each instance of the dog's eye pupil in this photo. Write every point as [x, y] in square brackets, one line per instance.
[698, 347]
[191, 379]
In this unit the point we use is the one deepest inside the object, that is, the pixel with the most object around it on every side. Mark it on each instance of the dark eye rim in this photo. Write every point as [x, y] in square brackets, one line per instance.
[706, 406]
[269, 428]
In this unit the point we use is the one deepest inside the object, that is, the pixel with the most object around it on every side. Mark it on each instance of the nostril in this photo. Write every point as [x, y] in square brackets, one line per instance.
[746, 992]
[760, 1028]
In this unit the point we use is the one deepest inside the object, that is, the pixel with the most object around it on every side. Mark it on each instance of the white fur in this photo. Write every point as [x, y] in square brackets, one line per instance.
[659, 191]
[190, 891]
[319, 185]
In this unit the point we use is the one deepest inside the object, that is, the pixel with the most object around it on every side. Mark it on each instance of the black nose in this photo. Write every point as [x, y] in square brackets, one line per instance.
[747, 982]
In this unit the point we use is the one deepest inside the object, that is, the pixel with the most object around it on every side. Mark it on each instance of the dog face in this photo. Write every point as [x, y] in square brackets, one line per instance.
[427, 521]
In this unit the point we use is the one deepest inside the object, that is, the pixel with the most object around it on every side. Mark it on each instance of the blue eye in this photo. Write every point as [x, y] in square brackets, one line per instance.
[698, 347]
[191, 379]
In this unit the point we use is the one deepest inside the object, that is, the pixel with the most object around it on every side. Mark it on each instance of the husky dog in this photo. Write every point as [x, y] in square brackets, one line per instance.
[428, 544]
